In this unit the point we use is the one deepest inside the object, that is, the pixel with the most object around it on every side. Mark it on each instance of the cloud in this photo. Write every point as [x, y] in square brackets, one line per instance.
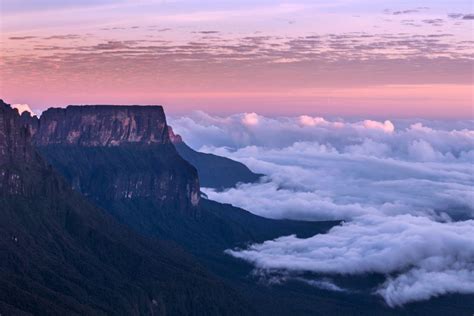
[386, 126]
[461, 16]
[14, 6]
[244, 65]
[307, 120]
[408, 11]
[21, 38]
[424, 258]
[23, 108]
[404, 188]
[207, 32]
[63, 37]
[201, 129]
[434, 22]
[320, 169]
[250, 119]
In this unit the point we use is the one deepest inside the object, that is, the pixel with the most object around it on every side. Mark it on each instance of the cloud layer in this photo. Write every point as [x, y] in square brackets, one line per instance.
[426, 258]
[404, 187]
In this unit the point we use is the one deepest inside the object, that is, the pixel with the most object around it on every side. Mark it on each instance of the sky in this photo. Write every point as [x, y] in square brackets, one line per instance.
[340, 57]
[404, 189]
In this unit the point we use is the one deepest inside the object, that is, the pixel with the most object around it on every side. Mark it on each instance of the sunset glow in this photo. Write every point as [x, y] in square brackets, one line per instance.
[403, 58]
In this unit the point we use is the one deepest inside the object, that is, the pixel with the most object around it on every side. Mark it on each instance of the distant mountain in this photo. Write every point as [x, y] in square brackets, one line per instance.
[214, 171]
[60, 255]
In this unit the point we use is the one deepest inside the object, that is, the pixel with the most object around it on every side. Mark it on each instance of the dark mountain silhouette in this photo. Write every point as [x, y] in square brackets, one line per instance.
[60, 255]
[214, 171]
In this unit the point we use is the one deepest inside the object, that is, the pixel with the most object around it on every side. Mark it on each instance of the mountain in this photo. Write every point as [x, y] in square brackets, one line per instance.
[120, 152]
[61, 255]
[214, 171]
[119, 176]
[129, 165]
[109, 155]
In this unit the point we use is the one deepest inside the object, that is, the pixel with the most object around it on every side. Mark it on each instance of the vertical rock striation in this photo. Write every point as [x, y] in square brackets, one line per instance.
[114, 153]
[16, 154]
[103, 126]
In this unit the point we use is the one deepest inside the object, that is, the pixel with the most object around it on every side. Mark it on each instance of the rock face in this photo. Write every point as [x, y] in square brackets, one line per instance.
[98, 126]
[14, 137]
[175, 138]
[117, 153]
[214, 171]
[15, 150]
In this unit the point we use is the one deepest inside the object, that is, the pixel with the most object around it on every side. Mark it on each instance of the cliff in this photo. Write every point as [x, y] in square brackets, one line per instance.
[16, 153]
[118, 153]
[15, 143]
[102, 125]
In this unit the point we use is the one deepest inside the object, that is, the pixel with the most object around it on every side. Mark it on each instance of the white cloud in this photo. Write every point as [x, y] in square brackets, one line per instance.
[426, 258]
[421, 150]
[307, 120]
[386, 126]
[405, 188]
[250, 119]
[23, 108]
[201, 129]
[312, 181]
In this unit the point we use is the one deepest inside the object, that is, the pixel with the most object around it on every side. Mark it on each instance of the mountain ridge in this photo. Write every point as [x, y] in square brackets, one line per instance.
[214, 171]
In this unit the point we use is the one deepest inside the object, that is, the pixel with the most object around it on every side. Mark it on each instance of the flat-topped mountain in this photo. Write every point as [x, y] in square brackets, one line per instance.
[117, 153]
[103, 125]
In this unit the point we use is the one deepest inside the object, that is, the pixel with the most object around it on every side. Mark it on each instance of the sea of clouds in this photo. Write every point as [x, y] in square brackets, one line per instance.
[404, 188]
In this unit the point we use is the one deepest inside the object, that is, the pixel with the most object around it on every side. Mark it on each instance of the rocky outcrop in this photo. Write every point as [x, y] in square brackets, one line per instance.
[175, 138]
[117, 153]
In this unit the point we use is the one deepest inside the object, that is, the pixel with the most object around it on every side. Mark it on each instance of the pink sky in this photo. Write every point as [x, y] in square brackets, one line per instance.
[332, 57]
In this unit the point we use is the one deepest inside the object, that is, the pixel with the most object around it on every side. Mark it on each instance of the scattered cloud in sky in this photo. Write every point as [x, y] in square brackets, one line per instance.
[404, 187]
[461, 16]
[339, 56]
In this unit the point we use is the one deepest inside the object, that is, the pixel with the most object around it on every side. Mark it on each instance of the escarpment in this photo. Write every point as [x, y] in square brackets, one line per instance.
[103, 126]
[111, 153]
